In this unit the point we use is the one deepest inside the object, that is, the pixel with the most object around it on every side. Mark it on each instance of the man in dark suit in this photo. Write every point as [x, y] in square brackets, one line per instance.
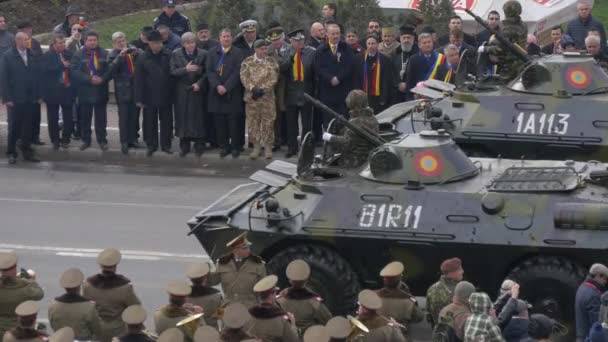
[494, 23]
[424, 65]
[555, 46]
[20, 94]
[456, 24]
[373, 73]
[333, 65]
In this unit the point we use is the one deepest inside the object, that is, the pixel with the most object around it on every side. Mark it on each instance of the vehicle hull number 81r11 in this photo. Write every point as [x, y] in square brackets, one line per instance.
[542, 123]
[390, 216]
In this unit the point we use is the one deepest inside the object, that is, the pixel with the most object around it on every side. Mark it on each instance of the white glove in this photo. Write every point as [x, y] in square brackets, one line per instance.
[327, 136]
[481, 49]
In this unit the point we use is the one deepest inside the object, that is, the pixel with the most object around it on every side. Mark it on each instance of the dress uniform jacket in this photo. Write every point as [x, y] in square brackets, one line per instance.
[381, 330]
[168, 316]
[399, 305]
[271, 324]
[241, 43]
[14, 291]
[78, 313]
[112, 295]
[140, 337]
[232, 101]
[306, 306]
[296, 89]
[238, 282]
[23, 335]
[209, 299]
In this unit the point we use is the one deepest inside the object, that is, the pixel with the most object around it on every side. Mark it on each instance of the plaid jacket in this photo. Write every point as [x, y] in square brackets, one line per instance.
[480, 327]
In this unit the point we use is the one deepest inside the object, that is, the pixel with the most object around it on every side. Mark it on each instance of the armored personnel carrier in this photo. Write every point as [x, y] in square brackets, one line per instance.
[419, 199]
[555, 109]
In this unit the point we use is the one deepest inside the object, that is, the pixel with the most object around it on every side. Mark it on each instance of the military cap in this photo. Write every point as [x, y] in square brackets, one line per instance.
[7, 260]
[338, 327]
[235, 316]
[206, 334]
[266, 284]
[27, 308]
[394, 269]
[241, 239]
[598, 269]
[179, 288]
[197, 270]
[71, 278]
[451, 265]
[72, 10]
[298, 270]
[260, 43]
[65, 334]
[202, 26]
[407, 30]
[155, 36]
[168, 3]
[316, 333]
[370, 300]
[134, 314]
[109, 257]
[171, 335]
[275, 33]
[248, 25]
[511, 8]
[296, 34]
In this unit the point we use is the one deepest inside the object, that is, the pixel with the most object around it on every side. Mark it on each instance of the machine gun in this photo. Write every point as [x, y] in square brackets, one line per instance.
[517, 50]
[373, 139]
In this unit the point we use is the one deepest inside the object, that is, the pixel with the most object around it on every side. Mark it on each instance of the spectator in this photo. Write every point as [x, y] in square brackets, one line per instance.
[122, 60]
[299, 78]
[423, 66]
[171, 41]
[454, 316]
[225, 97]
[329, 12]
[579, 27]
[57, 90]
[494, 23]
[142, 42]
[555, 47]
[72, 17]
[517, 329]
[430, 30]
[352, 39]
[456, 24]
[466, 52]
[373, 27]
[401, 58]
[480, 326]
[74, 41]
[373, 73]
[7, 39]
[20, 94]
[540, 328]
[532, 47]
[388, 46]
[440, 294]
[247, 37]
[188, 67]
[587, 301]
[177, 22]
[452, 65]
[567, 44]
[204, 40]
[153, 93]
[506, 304]
[333, 66]
[597, 333]
[34, 46]
[595, 32]
[88, 69]
[317, 35]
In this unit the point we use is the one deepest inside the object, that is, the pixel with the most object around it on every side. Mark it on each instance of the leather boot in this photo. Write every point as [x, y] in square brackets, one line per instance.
[256, 151]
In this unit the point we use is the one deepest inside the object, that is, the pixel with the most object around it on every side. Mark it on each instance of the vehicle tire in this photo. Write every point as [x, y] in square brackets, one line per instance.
[331, 277]
[549, 284]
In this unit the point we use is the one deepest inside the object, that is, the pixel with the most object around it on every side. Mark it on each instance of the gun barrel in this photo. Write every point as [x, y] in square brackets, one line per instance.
[372, 139]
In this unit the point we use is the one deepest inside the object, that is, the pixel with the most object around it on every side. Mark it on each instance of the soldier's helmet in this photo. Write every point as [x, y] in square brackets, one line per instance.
[512, 8]
[356, 99]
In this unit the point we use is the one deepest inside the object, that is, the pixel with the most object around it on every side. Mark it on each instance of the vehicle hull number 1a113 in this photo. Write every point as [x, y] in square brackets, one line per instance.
[542, 123]
[390, 216]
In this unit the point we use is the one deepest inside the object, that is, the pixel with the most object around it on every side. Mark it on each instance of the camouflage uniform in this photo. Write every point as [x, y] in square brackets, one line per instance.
[281, 56]
[438, 296]
[514, 29]
[355, 149]
[14, 291]
[261, 113]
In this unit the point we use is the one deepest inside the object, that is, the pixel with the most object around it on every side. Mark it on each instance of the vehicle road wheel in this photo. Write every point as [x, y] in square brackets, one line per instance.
[332, 277]
[549, 284]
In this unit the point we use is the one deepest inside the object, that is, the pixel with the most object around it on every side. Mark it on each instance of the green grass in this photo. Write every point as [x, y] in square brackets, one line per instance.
[600, 10]
[131, 25]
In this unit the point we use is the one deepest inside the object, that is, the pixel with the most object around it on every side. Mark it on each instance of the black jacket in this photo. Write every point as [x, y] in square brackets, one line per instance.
[548, 49]
[241, 43]
[138, 43]
[20, 83]
[230, 78]
[153, 82]
[314, 42]
[340, 65]
[516, 330]
[178, 23]
[387, 82]
[79, 69]
[54, 90]
[469, 39]
[207, 45]
[483, 37]
[124, 80]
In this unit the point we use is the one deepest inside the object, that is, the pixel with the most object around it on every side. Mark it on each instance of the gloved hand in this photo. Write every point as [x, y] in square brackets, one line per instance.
[327, 136]
[257, 93]
[481, 49]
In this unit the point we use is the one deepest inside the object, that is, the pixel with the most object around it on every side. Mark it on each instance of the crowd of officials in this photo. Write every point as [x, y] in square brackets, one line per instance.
[207, 92]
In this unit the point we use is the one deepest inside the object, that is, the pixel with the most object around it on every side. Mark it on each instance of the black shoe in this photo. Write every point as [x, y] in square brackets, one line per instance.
[65, 144]
[103, 146]
[38, 142]
[56, 146]
[135, 144]
[224, 153]
[235, 154]
[12, 160]
[290, 153]
[30, 158]
[150, 152]
[276, 148]
[167, 150]
[124, 148]
[76, 136]
[84, 146]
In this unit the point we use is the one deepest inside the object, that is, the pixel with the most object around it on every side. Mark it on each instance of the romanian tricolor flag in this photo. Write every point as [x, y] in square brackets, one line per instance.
[94, 63]
[375, 77]
[64, 77]
[130, 66]
[298, 67]
[439, 60]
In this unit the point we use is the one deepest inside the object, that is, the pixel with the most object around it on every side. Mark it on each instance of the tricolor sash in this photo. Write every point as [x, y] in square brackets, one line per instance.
[130, 66]
[439, 59]
[64, 76]
[298, 67]
[94, 63]
[375, 86]
[219, 68]
[493, 69]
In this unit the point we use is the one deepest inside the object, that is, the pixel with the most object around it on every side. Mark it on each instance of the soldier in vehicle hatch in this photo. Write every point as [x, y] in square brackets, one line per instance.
[355, 148]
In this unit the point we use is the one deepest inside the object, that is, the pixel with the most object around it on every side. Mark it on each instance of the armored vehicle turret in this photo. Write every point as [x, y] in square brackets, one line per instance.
[419, 199]
[555, 109]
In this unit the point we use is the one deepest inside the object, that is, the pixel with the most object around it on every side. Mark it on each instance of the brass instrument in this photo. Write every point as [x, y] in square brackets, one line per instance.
[358, 329]
[189, 324]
